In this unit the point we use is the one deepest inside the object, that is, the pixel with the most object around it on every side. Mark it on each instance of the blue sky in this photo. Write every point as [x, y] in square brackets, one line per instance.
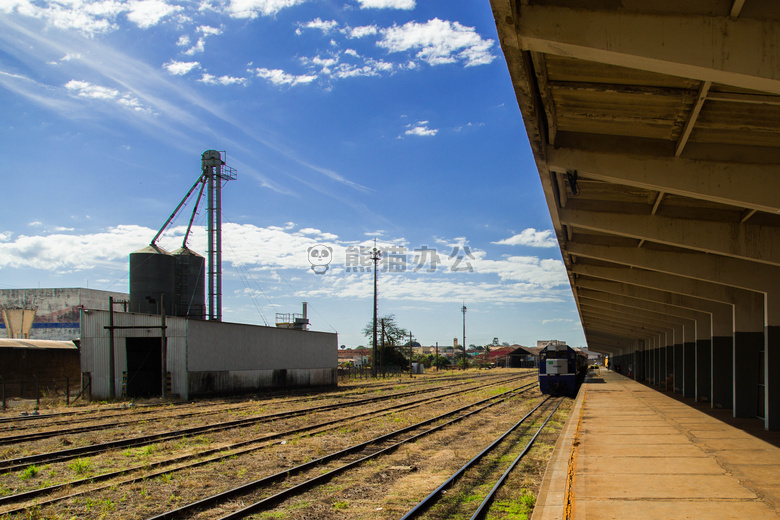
[347, 121]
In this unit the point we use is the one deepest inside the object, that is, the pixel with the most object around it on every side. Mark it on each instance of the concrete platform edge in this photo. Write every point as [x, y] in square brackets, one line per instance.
[551, 500]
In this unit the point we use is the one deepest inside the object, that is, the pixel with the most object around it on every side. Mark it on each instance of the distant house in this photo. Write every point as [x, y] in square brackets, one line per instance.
[524, 357]
[358, 357]
[499, 356]
[424, 350]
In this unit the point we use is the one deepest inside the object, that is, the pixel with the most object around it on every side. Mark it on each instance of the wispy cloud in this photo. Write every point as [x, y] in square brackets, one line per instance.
[532, 238]
[280, 77]
[85, 89]
[387, 4]
[284, 249]
[254, 8]
[210, 79]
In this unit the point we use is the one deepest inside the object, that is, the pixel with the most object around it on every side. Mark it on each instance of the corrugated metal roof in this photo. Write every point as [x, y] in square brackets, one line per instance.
[38, 344]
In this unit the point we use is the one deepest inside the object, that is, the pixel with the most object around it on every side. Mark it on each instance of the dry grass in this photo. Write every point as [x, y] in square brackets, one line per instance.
[385, 487]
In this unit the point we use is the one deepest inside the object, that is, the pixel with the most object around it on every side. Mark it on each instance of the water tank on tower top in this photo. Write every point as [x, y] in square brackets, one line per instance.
[190, 284]
[152, 274]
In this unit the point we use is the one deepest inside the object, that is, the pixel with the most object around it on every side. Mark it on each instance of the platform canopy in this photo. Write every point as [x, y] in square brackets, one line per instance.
[655, 127]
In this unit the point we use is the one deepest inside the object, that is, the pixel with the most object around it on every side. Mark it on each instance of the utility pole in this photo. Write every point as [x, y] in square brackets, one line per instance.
[463, 310]
[382, 350]
[410, 354]
[375, 256]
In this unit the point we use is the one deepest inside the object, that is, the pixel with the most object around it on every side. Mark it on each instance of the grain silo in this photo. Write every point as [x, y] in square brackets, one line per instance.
[190, 284]
[152, 276]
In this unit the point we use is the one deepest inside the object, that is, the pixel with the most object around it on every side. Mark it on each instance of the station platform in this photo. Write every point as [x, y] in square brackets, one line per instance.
[629, 451]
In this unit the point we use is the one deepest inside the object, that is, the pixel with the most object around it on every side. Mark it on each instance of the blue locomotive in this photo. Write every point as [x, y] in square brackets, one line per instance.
[561, 369]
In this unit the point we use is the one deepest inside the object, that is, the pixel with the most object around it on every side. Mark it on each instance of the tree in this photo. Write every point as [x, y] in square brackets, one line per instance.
[394, 336]
[437, 361]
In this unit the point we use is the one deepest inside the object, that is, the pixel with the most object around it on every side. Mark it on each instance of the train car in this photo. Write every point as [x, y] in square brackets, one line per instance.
[561, 370]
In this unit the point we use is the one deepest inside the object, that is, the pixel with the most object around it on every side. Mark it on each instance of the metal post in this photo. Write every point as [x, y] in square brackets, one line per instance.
[410, 354]
[163, 348]
[382, 350]
[111, 384]
[375, 255]
[463, 309]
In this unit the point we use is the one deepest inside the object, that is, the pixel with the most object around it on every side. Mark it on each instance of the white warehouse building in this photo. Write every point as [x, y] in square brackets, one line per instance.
[199, 357]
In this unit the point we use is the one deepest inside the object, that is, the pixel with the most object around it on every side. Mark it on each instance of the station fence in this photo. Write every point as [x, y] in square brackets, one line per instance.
[44, 389]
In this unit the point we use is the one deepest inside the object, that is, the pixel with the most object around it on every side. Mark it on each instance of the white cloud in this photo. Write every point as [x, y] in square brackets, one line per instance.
[360, 32]
[199, 46]
[326, 26]
[209, 31]
[279, 77]
[179, 68]
[210, 79]
[88, 90]
[421, 129]
[532, 238]
[387, 4]
[94, 16]
[546, 273]
[147, 13]
[253, 8]
[68, 57]
[439, 42]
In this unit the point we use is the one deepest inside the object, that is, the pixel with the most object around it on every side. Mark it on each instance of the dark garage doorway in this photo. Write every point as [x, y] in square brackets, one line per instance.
[144, 367]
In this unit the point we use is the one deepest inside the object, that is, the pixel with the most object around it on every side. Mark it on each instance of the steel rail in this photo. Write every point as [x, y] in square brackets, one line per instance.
[39, 435]
[71, 453]
[484, 507]
[306, 394]
[226, 451]
[282, 475]
[425, 503]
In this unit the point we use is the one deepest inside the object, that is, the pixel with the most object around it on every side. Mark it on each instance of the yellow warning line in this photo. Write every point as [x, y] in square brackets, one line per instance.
[568, 512]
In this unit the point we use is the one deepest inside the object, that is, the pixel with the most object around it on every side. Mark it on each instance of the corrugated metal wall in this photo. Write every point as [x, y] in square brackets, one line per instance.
[235, 346]
[211, 357]
[95, 341]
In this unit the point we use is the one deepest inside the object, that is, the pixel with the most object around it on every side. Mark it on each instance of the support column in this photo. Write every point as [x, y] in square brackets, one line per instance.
[748, 348]
[721, 356]
[689, 369]
[772, 361]
[678, 368]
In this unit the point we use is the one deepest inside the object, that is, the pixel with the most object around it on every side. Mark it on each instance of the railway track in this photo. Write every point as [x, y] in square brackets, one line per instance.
[487, 468]
[12, 464]
[175, 475]
[344, 460]
[178, 463]
[150, 412]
